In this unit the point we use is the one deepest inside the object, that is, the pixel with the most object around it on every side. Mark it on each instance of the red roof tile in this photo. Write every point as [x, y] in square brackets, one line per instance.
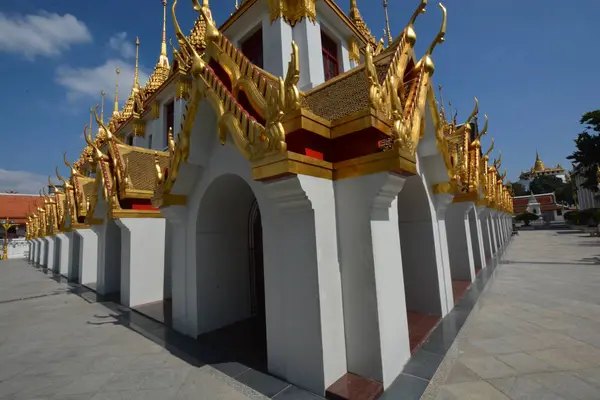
[16, 207]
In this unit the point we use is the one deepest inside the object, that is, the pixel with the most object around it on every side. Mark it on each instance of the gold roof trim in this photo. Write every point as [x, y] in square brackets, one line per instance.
[358, 20]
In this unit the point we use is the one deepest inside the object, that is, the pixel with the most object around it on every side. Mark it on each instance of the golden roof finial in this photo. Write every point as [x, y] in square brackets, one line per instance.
[163, 46]
[539, 164]
[102, 93]
[387, 23]
[116, 109]
[91, 110]
[137, 61]
[441, 36]
[355, 16]
[442, 107]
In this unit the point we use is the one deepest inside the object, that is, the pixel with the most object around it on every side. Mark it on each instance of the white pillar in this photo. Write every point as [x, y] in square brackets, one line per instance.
[377, 341]
[88, 256]
[499, 229]
[277, 45]
[184, 296]
[307, 36]
[487, 234]
[478, 236]
[48, 252]
[440, 233]
[495, 241]
[65, 251]
[459, 241]
[38, 247]
[73, 259]
[305, 320]
[32, 244]
[142, 260]
[109, 257]
[43, 252]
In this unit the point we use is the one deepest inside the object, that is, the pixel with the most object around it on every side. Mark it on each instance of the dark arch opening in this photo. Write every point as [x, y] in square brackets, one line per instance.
[419, 261]
[230, 273]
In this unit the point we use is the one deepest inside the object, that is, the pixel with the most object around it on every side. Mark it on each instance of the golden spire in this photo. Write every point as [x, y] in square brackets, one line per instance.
[539, 164]
[355, 16]
[101, 134]
[90, 130]
[137, 60]
[102, 93]
[163, 45]
[387, 23]
[161, 70]
[116, 109]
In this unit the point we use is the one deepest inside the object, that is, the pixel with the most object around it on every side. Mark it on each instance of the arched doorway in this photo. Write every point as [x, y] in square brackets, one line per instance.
[230, 272]
[419, 260]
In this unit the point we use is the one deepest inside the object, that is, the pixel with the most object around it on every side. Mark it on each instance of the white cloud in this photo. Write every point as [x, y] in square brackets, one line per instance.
[44, 34]
[88, 82]
[122, 45]
[22, 181]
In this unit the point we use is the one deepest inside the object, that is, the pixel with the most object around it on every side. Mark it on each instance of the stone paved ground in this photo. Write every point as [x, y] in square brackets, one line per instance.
[56, 345]
[535, 331]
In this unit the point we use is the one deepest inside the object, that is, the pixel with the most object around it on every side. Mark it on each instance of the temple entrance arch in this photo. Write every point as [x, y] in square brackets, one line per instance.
[230, 271]
[419, 260]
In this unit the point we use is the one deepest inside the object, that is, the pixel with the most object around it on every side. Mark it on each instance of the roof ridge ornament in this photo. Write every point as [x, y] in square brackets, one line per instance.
[483, 132]
[441, 36]
[387, 30]
[487, 153]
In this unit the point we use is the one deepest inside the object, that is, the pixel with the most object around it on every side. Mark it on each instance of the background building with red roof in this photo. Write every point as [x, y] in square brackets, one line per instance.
[16, 207]
[543, 204]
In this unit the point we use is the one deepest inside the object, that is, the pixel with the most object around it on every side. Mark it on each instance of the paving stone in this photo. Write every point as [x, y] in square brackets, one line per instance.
[524, 363]
[523, 387]
[566, 385]
[534, 334]
[460, 373]
[479, 390]
[488, 367]
[54, 345]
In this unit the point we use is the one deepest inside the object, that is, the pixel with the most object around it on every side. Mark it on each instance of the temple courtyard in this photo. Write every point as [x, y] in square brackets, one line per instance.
[533, 333]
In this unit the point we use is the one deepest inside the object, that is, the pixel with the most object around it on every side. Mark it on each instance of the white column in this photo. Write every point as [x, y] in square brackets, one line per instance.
[142, 260]
[49, 253]
[440, 233]
[377, 341]
[494, 237]
[478, 236]
[65, 252]
[303, 289]
[38, 247]
[484, 213]
[44, 252]
[307, 36]
[32, 244]
[183, 271]
[109, 257]
[500, 229]
[277, 45]
[88, 256]
[459, 241]
[73, 260]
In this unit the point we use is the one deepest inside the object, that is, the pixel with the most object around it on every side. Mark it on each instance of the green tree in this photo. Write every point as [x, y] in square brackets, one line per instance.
[545, 184]
[519, 189]
[549, 184]
[586, 157]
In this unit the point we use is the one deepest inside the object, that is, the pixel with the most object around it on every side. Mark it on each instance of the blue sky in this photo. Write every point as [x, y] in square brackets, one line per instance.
[531, 64]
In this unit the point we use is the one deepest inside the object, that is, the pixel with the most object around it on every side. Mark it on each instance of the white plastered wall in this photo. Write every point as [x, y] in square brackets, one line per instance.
[302, 283]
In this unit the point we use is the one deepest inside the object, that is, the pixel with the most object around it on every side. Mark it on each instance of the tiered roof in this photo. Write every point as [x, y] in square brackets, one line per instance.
[382, 100]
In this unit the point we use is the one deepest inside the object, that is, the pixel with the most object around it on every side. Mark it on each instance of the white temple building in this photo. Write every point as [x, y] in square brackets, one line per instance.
[313, 196]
